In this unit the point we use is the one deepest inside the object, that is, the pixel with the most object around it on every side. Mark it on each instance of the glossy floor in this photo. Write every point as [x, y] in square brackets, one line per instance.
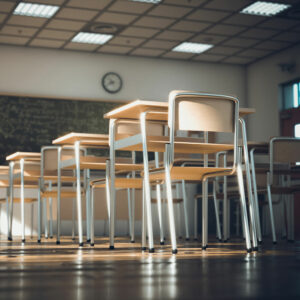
[224, 271]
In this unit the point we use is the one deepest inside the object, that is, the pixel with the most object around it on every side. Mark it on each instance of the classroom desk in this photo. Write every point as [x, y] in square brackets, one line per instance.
[150, 111]
[13, 159]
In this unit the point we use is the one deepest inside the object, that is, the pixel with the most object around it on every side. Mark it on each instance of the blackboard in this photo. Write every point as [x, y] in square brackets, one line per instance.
[26, 123]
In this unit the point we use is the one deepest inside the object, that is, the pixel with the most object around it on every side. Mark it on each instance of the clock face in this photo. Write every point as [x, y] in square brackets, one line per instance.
[112, 82]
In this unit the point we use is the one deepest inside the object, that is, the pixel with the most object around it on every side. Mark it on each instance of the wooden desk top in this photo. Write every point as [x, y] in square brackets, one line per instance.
[159, 109]
[86, 139]
[33, 156]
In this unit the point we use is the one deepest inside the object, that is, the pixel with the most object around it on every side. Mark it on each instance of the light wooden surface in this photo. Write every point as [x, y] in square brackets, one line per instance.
[86, 139]
[134, 109]
[27, 155]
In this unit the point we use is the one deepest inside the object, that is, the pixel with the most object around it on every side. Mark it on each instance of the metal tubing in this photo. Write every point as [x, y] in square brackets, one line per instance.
[196, 219]
[225, 205]
[186, 220]
[88, 204]
[204, 213]
[147, 182]
[11, 194]
[39, 221]
[78, 192]
[45, 217]
[159, 205]
[22, 199]
[58, 194]
[51, 212]
[92, 229]
[216, 204]
[271, 210]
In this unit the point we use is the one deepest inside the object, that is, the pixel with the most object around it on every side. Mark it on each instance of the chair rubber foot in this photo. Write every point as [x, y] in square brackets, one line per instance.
[23, 240]
[80, 244]
[255, 248]
[291, 241]
[204, 247]
[259, 242]
[73, 239]
[51, 237]
[132, 241]
[187, 239]
[9, 238]
[88, 241]
[162, 243]
[57, 242]
[174, 251]
[92, 244]
[39, 241]
[249, 250]
[144, 248]
[151, 250]
[274, 243]
[111, 247]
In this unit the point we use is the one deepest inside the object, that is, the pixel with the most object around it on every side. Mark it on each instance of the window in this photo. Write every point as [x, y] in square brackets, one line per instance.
[291, 95]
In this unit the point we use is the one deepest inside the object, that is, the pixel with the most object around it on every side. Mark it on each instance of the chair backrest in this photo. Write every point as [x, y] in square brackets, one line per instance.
[194, 111]
[283, 150]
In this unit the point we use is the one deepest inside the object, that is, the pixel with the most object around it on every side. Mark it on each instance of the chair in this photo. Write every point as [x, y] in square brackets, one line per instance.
[283, 156]
[201, 112]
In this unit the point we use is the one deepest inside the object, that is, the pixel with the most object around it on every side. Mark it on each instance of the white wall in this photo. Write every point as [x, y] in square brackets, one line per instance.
[263, 80]
[67, 74]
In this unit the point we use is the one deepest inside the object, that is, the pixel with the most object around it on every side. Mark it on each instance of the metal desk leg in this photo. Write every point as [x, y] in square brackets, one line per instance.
[22, 200]
[11, 194]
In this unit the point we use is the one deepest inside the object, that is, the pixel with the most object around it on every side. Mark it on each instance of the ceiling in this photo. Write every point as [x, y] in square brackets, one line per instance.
[152, 30]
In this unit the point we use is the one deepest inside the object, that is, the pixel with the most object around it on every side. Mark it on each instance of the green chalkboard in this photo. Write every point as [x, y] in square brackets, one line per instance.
[26, 124]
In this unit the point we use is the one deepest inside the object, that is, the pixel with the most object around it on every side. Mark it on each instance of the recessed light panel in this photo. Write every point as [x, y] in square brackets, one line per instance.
[91, 38]
[148, 1]
[266, 9]
[35, 10]
[192, 47]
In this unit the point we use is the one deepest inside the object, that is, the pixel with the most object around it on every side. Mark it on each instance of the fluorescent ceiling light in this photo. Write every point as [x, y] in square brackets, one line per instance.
[91, 38]
[266, 9]
[148, 1]
[35, 10]
[192, 47]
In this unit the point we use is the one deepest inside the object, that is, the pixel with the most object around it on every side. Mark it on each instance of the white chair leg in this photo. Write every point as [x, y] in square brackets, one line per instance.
[196, 218]
[51, 217]
[92, 223]
[32, 216]
[216, 205]
[186, 218]
[45, 202]
[73, 217]
[271, 214]
[144, 220]
[39, 212]
[204, 214]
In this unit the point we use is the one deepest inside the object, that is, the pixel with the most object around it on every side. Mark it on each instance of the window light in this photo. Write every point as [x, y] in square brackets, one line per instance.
[192, 47]
[148, 1]
[91, 38]
[267, 9]
[35, 10]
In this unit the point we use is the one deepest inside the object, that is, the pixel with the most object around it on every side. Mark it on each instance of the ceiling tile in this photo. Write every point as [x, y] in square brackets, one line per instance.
[223, 50]
[245, 20]
[116, 18]
[147, 52]
[208, 38]
[238, 60]
[225, 29]
[272, 45]
[56, 34]
[46, 43]
[115, 49]
[259, 33]
[154, 22]
[130, 7]
[174, 35]
[26, 21]
[279, 23]
[160, 44]
[209, 57]
[169, 11]
[5, 39]
[241, 42]
[76, 14]
[233, 5]
[191, 3]
[139, 32]
[288, 36]
[92, 4]
[254, 53]
[80, 46]
[178, 55]
[7, 6]
[208, 15]
[126, 41]
[18, 30]
[49, 2]
[2, 17]
[65, 24]
[190, 26]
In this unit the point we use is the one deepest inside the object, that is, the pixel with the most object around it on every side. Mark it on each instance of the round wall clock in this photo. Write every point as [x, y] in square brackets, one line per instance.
[112, 82]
